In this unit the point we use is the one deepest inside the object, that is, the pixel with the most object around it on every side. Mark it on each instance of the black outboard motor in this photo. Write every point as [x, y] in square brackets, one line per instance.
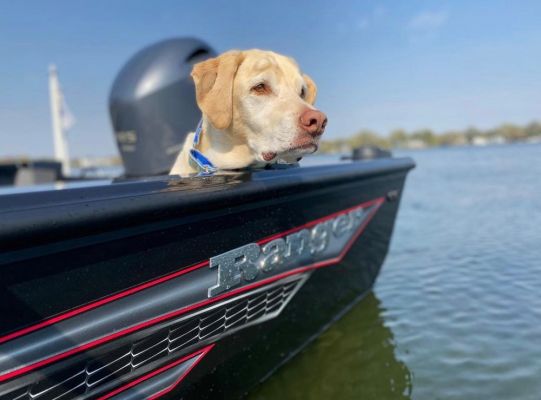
[152, 104]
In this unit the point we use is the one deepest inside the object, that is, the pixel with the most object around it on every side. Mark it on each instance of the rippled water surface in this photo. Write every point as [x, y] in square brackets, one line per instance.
[456, 311]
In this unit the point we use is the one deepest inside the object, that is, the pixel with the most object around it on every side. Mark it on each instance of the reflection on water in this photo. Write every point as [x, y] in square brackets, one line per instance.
[353, 360]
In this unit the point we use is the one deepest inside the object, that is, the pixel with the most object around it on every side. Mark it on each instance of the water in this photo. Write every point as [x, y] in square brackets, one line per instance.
[456, 311]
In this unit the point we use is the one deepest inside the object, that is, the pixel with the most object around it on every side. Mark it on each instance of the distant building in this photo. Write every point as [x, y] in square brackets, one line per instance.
[415, 144]
[479, 141]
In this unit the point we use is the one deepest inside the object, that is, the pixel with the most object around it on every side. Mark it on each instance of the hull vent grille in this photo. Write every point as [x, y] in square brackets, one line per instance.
[84, 378]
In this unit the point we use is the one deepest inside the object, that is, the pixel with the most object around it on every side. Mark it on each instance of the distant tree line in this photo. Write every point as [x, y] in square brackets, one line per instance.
[423, 138]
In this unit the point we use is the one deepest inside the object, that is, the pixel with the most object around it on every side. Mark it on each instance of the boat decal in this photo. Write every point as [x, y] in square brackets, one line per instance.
[323, 240]
[295, 252]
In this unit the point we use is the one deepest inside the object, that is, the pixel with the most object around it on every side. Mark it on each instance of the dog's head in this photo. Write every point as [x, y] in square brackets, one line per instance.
[263, 97]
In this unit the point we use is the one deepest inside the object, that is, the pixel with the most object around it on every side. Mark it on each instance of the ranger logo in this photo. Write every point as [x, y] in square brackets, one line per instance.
[312, 244]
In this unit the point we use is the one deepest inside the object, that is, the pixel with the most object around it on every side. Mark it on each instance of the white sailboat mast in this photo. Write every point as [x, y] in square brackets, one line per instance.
[61, 152]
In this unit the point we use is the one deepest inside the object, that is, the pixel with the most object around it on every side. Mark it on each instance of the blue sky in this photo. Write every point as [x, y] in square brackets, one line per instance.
[379, 64]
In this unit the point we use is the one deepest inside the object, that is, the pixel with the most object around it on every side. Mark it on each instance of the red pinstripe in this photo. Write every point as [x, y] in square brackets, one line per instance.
[22, 370]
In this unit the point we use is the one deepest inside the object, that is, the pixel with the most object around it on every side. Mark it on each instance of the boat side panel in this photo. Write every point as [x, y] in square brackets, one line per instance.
[44, 280]
[62, 275]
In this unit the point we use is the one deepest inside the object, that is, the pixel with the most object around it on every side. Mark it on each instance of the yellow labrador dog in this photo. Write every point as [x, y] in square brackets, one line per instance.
[257, 109]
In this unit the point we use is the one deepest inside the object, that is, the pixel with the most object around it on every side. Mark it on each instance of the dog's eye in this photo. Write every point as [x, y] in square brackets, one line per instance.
[303, 93]
[261, 88]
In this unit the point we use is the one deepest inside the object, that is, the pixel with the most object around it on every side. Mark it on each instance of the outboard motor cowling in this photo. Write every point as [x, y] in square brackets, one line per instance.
[152, 104]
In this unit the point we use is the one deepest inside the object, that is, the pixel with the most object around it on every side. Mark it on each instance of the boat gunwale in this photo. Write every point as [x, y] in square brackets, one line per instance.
[25, 215]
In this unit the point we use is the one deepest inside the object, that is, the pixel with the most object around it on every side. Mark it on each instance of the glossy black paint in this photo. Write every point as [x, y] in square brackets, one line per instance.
[66, 248]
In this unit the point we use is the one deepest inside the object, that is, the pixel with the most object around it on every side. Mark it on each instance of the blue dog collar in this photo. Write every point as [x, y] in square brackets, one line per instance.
[197, 159]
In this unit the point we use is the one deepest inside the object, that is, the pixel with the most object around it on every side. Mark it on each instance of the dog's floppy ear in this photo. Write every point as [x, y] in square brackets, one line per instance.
[312, 89]
[214, 87]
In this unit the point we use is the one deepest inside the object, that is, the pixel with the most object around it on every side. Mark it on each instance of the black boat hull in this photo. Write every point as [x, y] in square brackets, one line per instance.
[114, 291]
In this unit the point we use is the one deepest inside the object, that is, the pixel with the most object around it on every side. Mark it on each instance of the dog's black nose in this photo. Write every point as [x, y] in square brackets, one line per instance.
[313, 122]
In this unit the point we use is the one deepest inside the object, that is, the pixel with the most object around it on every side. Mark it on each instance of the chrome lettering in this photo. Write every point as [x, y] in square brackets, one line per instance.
[342, 225]
[297, 243]
[319, 238]
[273, 253]
[234, 265]
[304, 247]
